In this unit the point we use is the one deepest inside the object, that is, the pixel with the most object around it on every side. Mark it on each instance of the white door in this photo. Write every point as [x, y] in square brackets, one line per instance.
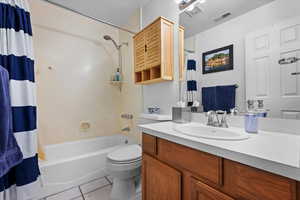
[260, 63]
[265, 78]
[288, 46]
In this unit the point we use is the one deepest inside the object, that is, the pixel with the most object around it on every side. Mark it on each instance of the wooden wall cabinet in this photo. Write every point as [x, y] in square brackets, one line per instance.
[175, 172]
[154, 52]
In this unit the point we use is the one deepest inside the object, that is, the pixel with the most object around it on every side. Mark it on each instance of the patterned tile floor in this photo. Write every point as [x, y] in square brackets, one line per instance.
[98, 189]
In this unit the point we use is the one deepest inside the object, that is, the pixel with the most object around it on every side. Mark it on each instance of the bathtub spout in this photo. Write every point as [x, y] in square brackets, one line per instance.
[127, 129]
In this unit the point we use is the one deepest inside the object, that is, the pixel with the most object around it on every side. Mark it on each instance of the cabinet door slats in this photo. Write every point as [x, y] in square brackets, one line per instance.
[153, 50]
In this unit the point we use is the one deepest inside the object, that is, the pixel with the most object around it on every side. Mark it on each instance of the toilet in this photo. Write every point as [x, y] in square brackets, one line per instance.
[124, 166]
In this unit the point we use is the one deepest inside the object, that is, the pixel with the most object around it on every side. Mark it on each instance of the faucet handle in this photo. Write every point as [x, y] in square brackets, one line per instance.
[224, 123]
[210, 115]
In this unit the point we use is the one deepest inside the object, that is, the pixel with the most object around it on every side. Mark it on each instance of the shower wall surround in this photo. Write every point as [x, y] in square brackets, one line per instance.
[74, 65]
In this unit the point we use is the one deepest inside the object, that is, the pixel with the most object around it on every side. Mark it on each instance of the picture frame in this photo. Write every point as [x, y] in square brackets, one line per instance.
[218, 60]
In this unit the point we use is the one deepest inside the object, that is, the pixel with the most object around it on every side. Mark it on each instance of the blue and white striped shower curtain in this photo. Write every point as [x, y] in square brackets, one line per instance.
[16, 55]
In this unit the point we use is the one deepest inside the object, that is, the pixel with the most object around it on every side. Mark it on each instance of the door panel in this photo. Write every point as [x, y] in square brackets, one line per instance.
[153, 45]
[160, 182]
[139, 51]
[201, 191]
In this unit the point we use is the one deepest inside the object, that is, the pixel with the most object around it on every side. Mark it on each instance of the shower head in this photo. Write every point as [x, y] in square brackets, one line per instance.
[108, 37]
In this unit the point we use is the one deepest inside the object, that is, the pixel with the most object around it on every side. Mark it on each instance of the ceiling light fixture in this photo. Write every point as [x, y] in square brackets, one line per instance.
[190, 8]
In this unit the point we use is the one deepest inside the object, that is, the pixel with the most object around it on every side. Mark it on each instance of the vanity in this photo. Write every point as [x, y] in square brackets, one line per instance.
[177, 166]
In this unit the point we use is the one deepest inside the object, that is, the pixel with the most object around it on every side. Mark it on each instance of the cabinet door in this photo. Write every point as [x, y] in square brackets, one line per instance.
[201, 191]
[153, 44]
[160, 182]
[139, 51]
[181, 53]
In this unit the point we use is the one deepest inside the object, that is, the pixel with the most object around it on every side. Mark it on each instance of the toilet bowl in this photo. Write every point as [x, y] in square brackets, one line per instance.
[124, 166]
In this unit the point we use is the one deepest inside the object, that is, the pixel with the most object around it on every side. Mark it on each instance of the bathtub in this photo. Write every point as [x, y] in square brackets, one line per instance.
[73, 163]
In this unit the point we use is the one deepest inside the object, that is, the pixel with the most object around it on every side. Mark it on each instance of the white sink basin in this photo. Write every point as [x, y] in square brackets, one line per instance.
[202, 131]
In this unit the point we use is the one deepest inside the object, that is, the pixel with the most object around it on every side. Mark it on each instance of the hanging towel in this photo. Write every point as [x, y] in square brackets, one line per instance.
[191, 82]
[209, 98]
[10, 153]
[225, 99]
[219, 98]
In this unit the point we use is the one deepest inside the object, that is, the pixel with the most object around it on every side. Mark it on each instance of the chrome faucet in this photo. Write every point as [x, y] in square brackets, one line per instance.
[213, 119]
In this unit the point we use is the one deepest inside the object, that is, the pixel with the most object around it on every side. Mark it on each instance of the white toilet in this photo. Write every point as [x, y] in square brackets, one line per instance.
[124, 166]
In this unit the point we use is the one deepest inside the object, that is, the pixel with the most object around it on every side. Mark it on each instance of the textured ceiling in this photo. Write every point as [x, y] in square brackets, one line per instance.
[212, 9]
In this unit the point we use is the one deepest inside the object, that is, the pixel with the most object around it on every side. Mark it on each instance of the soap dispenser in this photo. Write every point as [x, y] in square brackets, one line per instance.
[261, 111]
[251, 118]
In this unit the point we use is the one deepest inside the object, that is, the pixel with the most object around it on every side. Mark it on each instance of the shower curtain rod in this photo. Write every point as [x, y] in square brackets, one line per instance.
[93, 18]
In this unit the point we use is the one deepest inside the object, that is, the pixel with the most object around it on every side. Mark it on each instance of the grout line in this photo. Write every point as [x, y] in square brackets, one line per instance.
[59, 192]
[81, 193]
[74, 187]
[97, 189]
[108, 180]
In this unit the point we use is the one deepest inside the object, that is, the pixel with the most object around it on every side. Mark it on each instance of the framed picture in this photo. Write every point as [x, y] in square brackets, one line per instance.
[218, 60]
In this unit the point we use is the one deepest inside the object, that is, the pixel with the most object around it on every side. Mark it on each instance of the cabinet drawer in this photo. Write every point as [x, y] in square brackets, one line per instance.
[255, 184]
[201, 191]
[149, 144]
[204, 165]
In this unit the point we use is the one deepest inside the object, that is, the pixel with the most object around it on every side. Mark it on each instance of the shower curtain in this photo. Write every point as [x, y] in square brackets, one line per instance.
[16, 55]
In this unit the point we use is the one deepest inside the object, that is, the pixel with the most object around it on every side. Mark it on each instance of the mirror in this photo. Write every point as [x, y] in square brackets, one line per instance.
[264, 61]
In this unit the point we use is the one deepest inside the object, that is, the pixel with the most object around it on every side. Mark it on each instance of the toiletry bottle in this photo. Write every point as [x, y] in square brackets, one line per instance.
[251, 118]
[261, 111]
[118, 75]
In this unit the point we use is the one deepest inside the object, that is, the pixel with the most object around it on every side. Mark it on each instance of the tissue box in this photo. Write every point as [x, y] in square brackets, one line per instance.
[181, 115]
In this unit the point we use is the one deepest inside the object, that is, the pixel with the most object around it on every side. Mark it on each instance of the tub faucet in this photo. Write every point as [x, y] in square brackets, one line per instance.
[127, 129]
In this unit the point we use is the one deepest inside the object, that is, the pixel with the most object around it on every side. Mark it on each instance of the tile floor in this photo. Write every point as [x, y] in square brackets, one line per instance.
[98, 189]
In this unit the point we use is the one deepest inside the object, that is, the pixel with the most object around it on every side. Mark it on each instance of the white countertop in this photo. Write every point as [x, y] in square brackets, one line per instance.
[157, 117]
[274, 152]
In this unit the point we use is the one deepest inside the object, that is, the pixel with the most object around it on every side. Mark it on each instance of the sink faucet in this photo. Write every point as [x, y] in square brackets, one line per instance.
[213, 119]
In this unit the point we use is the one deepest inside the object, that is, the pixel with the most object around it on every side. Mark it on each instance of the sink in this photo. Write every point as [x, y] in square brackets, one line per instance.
[202, 131]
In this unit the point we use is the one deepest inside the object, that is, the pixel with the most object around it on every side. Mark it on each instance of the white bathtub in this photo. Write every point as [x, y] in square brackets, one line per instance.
[73, 163]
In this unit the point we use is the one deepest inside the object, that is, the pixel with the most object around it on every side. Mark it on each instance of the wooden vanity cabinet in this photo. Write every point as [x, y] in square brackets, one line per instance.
[160, 181]
[176, 172]
[154, 52]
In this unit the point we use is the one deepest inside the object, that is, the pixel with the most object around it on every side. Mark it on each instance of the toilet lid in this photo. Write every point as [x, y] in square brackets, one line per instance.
[126, 153]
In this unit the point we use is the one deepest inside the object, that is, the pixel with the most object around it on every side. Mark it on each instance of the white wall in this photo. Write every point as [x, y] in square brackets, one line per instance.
[234, 32]
[164, 95]
[77, 87]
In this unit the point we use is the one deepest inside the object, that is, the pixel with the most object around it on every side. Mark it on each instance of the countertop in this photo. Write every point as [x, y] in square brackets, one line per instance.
[278, 153]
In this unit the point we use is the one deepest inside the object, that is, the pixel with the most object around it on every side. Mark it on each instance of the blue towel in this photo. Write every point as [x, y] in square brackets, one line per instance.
[225, 97]
[10, 153]
[209, 98]
[191, 65]
[219, 98]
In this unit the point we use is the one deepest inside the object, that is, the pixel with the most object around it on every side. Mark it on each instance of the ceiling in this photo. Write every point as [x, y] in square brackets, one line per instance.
[116, 12]
[213, 9]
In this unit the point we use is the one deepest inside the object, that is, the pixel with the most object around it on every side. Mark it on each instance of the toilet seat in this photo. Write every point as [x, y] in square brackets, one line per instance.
[126, 155]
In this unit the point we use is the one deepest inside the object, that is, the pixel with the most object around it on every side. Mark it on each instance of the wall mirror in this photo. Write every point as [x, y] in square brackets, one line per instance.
[265, 35]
